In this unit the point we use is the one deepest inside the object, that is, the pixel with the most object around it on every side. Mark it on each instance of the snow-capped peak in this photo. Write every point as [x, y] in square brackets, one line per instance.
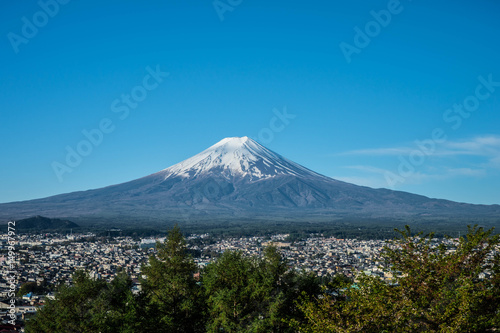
[238, 157]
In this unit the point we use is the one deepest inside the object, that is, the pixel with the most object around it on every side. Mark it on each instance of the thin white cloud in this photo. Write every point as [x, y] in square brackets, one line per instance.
[367, 168]
[487, 146]
[474, 158]
[480, 146]
[379, 151]
[445, 173]
[376, 177]
[466, 172]
[495, 162]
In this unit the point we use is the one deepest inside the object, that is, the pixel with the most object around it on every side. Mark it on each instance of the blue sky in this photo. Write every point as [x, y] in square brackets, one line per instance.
[396, 94]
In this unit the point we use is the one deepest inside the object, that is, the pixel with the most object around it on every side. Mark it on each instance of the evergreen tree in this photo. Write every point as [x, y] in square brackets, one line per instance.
[89, 306]
[174, 300]
[251, 294]
[228, 285]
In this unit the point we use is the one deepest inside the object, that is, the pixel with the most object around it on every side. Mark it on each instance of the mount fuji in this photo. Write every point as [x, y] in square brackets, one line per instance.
[239, 179]
[238, 158]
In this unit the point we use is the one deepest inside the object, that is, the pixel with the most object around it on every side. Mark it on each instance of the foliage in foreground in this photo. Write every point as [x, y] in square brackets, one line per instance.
[236, 293]
[253, 294]
[436, 288]
[90, 306]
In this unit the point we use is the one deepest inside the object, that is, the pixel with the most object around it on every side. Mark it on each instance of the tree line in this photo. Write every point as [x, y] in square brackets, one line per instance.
[435, 288]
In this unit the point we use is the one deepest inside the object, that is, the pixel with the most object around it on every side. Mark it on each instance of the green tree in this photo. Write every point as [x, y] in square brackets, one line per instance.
[282, 287]
[89, 306]
[32, 287]
[117, 309]
[174, 300]
[443, 288]
[366, 306]
[228, 284]
[252, 294]
[437, 288]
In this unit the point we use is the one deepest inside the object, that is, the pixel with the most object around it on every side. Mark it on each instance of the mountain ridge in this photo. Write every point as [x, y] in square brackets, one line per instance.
[237, 178]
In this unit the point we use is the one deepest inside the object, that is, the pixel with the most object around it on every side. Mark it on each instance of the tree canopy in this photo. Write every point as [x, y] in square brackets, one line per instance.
[174, 300]
[451, 286]
[90, 306]
[436, 288]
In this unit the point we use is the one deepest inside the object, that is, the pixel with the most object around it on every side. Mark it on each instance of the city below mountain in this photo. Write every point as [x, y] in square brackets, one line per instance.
[238, 179]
